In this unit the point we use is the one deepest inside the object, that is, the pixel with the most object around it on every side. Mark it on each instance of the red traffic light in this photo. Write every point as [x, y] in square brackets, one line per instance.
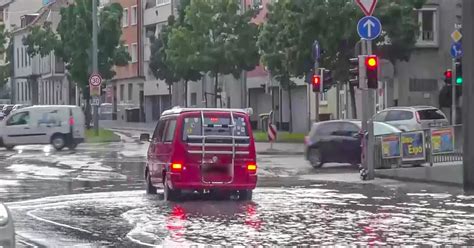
[448, 74]
[316, 80]
[371, 62]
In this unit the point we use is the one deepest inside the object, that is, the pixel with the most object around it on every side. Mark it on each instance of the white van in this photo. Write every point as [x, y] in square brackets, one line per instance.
[58, 125]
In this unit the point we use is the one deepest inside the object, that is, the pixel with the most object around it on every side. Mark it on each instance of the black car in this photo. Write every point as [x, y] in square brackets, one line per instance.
[339, 141]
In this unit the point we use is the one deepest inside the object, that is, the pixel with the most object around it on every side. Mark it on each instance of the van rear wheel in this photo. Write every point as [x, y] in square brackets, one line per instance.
[245, 195]
[170, 194]
[58, 142]
[150, 189]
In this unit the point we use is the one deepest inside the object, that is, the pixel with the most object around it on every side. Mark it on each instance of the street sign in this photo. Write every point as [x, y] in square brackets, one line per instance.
[95, 80]
[456, 50]
[316, 51]
[369, 28]
[272, 132]
[95, 101]
[456, 36]
[367, 6]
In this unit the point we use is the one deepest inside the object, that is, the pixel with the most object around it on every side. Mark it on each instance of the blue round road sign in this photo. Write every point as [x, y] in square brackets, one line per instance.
[456, 50]
[369, 28]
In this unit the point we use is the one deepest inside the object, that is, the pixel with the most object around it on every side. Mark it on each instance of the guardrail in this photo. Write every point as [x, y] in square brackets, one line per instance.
[432, 146]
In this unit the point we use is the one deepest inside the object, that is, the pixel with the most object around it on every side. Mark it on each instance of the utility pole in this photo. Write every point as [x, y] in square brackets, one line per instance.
[370, 125]
[453, 95]
[468, 95]
[95, 68]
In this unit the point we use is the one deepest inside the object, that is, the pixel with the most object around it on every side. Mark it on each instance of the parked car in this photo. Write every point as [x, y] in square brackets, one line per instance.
[339, 141]
[7, 229]
[19, 106]
[7, 109]
[413, 118]
[202, 150]
[57, 125]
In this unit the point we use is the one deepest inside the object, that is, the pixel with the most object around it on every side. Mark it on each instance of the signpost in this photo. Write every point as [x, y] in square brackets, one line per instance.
[368, 28]
[456, 53]
[367, 6]
[316, 53]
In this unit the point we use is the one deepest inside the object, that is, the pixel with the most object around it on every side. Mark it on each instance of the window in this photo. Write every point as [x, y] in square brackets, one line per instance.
[159, 131]
[193, 99]
[327, 129]
[380, 116]
[428, 29]
[26, 56]
[17, 57]
[122, 94]
[219, 125]
[134, 16]
[134, 52]
[130, 92]
[348, 129]
[170, 130]
[21, 118]
[398, 115]
[125, 18]
[162, 2]
[323, 98]
[431, 114]
[126, 48]
[22, 57]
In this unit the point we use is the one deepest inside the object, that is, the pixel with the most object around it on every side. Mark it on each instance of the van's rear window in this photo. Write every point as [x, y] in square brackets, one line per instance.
[213, 126]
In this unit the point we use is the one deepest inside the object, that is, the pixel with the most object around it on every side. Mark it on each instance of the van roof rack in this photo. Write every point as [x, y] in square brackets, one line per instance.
[179, 110]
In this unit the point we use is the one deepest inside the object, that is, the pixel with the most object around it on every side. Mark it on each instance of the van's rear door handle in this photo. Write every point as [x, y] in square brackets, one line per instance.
[27, 128]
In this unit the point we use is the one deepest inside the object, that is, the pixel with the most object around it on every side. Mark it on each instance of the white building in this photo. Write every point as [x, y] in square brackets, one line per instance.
[39, 80]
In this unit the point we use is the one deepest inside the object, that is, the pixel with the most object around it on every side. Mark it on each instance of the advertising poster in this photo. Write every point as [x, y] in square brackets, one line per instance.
[442, 140]
[413, 146]
[391, 146]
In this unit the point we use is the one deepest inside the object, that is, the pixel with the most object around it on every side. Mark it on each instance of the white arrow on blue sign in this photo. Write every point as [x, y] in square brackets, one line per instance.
[456, 50]
[369, 28]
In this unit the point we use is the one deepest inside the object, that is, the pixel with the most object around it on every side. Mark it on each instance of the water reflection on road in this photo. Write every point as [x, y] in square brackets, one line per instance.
[318, 215]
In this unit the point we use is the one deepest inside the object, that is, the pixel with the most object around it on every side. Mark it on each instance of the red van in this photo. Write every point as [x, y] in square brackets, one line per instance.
[202, 150]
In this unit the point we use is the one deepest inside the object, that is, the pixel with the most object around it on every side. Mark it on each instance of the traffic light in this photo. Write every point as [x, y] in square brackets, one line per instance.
[316, 83]
[448, 77]
[354, 71]
[372, 66]
[459, 78]
[327, 80]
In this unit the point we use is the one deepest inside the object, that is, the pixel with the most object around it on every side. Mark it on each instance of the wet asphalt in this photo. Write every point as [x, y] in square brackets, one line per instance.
[95, 197]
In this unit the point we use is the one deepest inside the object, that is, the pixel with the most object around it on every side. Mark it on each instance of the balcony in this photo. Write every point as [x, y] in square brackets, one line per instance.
[157, 14]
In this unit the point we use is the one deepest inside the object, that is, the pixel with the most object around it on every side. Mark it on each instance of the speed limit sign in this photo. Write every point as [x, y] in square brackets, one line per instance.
[95, 80]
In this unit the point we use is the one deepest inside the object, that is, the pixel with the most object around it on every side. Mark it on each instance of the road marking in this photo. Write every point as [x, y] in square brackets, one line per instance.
[30, 213]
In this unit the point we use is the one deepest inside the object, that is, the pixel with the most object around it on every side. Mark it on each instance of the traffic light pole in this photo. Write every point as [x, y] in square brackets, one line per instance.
[468, 95]
[95, 68]
[370, 125]
[453, 94]
[316, 110]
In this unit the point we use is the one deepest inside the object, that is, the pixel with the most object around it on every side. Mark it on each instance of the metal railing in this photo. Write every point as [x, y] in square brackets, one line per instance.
[432, 155]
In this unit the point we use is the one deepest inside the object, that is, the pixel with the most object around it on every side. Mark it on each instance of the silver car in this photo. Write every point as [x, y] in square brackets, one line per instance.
[413, 118]
[7, 230]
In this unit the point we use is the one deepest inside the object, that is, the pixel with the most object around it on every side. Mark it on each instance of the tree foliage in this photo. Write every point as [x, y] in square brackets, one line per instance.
[293, 25]
[72, 40]
[5, 71]
[215, 37]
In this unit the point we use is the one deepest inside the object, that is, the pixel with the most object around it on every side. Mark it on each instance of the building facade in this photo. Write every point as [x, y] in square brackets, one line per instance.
[39, 80]
[127, 86]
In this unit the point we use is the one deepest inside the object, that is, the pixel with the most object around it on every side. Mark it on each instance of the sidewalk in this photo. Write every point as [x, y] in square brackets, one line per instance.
[262, 148]
[444, 173]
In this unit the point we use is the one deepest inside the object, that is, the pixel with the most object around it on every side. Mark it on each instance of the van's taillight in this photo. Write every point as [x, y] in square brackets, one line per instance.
[252, 167]
[71, 121]
[418, 117]
[175, 167]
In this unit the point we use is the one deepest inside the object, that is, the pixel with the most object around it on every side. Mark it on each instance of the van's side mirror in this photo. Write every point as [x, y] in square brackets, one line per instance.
[145, 137]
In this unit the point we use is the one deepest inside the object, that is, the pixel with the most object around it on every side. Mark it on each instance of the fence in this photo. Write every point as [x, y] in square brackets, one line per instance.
[432, 146]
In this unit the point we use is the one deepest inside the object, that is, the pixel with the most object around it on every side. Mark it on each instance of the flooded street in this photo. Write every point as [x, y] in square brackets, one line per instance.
[95, 197]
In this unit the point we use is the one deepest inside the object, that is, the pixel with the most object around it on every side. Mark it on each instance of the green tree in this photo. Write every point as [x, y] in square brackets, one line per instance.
[5, 71]
[72, 42]
[292, 27]
[159, 65]
[217, 38]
